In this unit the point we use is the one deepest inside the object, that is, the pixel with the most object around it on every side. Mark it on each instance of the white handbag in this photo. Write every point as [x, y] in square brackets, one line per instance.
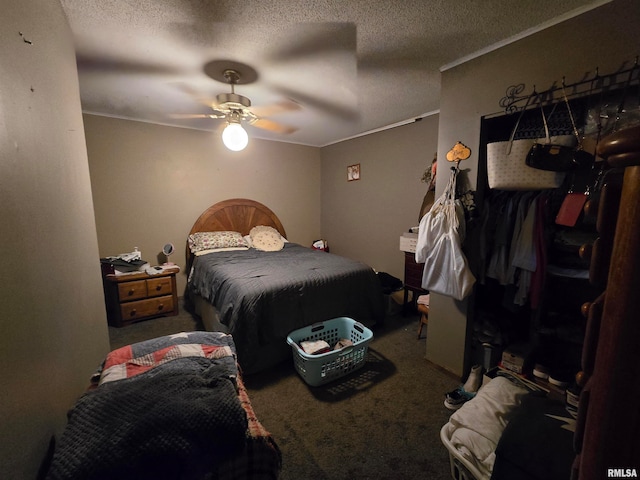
[507, 168]
[446, 270]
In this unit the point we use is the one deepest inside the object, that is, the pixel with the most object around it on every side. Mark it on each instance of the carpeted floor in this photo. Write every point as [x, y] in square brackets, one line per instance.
[381, 422]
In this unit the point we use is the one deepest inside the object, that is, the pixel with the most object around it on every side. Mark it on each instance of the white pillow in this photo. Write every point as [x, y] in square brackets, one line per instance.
[262, 228]
[267, 241]
[266, 238]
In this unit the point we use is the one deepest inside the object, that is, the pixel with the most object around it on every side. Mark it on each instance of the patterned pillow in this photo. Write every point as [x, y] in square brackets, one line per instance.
[259, 228]
[262, 228]
[201, 241]
[267, 240]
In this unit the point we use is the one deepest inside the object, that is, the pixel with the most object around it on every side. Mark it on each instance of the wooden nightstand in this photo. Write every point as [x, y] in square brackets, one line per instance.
[137, 296]
[412, 279]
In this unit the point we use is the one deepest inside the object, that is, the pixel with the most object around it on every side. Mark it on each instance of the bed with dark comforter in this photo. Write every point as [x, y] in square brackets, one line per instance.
[171, 407]
[261, 296]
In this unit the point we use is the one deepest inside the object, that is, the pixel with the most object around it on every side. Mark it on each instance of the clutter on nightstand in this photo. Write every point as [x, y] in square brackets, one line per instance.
[124, 263]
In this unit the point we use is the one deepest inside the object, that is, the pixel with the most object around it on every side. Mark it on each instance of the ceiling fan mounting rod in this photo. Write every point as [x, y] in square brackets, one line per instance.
[232, 77]
[232, 101]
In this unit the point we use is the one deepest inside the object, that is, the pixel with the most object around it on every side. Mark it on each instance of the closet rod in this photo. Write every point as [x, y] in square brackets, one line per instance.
[589, 84]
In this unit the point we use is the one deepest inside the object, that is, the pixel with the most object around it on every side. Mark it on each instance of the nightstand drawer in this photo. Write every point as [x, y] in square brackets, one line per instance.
[132, 290]
[159, 286]
[146, 308]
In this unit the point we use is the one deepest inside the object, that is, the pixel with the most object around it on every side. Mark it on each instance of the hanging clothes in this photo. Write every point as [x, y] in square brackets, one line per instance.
[520, 242]
[540, 240]
[524, 257]
[499, 263]
[517, 254]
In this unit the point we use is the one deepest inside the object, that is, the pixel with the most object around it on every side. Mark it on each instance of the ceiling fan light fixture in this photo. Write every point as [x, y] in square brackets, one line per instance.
[235, 137]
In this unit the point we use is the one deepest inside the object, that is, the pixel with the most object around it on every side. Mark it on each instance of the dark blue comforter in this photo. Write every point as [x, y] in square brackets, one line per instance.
[263, 296]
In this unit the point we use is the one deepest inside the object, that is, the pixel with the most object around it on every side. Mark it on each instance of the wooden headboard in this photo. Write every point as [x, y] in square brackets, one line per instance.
[236, 214]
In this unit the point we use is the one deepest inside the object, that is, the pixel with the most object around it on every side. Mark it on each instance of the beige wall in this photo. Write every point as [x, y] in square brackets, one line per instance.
[53, 325]
[604, 38]
[364, 219]
[150, 183]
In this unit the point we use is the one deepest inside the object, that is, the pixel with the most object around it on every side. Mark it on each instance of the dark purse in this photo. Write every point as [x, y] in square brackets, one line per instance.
[554, 158]
[559, 158]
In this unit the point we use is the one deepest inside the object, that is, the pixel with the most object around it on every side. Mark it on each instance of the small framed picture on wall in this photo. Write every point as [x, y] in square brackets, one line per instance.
[353, 172]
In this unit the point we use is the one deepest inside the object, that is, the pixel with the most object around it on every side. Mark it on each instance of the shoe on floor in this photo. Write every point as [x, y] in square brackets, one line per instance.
[474, 380]
[456, 398]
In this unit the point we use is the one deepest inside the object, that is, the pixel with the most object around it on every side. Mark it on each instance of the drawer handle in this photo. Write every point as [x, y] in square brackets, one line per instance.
[132, 291]
[160, 307]
[132, 313]
[159, 287]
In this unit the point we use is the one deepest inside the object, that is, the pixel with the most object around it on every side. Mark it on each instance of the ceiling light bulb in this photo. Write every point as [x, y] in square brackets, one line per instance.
[235, 137]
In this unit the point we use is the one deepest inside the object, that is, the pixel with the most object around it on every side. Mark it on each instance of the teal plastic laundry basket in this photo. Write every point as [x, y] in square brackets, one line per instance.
[319, 369]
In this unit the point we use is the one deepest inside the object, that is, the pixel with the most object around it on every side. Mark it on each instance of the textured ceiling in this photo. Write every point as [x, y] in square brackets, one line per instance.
[351, 66]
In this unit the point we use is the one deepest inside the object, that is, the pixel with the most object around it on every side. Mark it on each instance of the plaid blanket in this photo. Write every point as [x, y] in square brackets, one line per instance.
[121, 363]
[172, 407]
[141, 357]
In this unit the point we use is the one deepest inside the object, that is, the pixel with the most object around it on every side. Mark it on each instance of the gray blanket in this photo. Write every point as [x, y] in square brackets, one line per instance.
[263, 296]
[177, 421]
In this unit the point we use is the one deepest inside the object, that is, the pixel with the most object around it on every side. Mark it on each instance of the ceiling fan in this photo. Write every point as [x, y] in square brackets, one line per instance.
[236, 108]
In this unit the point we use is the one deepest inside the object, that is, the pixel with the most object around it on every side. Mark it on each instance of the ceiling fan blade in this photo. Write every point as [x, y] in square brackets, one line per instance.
[272, 126]
[194, 115]
[199, 97]
[386, 61]
[332, 108]
[274, 109]
[317, 39]
[105, 65]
